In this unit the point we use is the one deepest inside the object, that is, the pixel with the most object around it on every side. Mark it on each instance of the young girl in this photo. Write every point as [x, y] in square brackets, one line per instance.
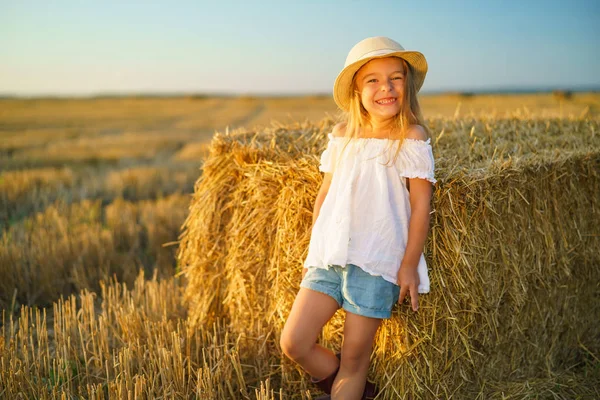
[371, 217]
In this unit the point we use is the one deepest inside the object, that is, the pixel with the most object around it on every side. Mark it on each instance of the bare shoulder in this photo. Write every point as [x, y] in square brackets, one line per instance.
[339, 129]
[416, 132]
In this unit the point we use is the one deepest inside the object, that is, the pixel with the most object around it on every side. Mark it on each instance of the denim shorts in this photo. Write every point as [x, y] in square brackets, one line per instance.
[355, 290]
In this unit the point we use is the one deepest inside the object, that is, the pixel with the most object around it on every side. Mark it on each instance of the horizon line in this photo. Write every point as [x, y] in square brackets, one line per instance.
[208, 94]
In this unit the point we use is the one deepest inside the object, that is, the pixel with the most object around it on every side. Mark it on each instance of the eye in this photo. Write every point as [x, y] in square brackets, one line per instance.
[397, 77]
[372, 80]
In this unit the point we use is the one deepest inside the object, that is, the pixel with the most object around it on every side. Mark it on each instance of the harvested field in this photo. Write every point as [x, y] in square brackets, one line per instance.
[102, 298]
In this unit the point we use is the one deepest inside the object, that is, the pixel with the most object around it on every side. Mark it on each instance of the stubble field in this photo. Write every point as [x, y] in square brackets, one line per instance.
[93, 194]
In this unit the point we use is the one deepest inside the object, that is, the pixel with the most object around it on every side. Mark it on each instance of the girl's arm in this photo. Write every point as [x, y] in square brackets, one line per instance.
[319, 202]
[418, 228]
[420, 193]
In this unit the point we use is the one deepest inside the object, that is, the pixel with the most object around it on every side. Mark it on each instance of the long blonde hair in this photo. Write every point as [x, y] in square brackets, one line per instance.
[357, 117]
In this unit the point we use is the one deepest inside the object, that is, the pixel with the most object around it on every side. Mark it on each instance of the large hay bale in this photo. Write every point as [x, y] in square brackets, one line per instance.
[513, 255]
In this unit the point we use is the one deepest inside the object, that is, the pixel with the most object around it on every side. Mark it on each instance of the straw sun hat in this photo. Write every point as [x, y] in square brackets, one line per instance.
[366, 50]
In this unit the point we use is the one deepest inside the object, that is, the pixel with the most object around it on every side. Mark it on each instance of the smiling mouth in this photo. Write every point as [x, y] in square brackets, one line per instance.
[389, 100]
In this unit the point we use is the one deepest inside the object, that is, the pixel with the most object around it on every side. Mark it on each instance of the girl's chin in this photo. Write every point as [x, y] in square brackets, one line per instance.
[386, 112]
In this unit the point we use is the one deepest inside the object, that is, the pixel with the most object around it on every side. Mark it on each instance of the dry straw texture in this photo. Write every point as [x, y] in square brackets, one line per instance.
[512, 253]
[22, 192]
[120, 344]
[70, 247]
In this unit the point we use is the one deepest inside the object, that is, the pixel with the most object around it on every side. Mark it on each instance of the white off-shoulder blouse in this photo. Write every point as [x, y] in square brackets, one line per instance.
[364, 217]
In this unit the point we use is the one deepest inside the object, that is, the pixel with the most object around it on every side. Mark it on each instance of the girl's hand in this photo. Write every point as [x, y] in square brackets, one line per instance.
[304, 272]
[408, 280]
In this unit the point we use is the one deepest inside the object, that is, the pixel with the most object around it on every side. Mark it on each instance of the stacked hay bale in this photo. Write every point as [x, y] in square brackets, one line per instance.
[513, 256]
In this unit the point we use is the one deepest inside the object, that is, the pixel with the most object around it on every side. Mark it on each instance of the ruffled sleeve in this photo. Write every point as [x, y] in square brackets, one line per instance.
[415, 160]
[329, 156]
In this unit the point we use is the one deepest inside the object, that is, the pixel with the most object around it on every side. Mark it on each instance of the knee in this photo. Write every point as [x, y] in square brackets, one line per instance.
[355, 359]
[293, 347]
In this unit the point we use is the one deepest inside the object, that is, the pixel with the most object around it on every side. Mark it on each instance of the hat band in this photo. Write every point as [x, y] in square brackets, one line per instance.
[378, 53]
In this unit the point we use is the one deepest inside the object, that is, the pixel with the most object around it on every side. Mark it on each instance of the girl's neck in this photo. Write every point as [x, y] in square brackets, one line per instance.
[381, 129]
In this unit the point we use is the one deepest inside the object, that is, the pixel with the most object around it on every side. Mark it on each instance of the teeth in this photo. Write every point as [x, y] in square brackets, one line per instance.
[386, 101]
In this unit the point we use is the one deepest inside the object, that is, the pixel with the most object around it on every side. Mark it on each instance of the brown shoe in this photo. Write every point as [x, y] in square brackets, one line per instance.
[370, 391]
[325, 385]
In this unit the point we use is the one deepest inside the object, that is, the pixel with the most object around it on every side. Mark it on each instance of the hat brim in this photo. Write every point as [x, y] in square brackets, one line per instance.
[342, 88]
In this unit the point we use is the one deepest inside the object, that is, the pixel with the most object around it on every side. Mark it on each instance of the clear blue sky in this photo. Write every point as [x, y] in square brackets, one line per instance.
[85, 47]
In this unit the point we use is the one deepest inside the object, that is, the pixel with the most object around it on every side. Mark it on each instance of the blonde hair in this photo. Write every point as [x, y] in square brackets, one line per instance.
[357, 117]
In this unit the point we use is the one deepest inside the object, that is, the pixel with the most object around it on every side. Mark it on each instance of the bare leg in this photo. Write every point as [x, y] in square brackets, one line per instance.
[310, 312]
[359, 334]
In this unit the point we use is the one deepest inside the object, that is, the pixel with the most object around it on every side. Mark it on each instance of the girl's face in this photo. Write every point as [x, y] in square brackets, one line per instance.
[380, 83]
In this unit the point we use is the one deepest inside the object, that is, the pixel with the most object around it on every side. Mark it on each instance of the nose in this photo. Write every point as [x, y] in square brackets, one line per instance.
[387, 85]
